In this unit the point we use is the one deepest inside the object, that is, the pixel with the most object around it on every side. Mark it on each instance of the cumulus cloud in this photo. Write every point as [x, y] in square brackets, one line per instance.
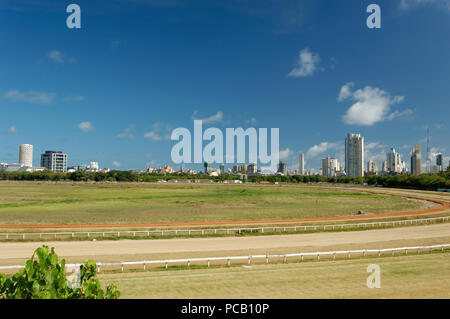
[285, 154]
[218, 117]
[29, 96]
[371, 105]
[85, 127]
[307, 64]
[323, 147]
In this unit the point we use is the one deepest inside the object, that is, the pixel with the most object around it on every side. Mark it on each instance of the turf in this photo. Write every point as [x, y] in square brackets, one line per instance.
[75, 203]
[413, 276]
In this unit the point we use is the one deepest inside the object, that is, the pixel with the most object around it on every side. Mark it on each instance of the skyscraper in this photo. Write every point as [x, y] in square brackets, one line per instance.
[54, 161]
[354, 155]
[26, 155]
[330, 166]
[301, 168]
[282, 168]
[394, 161]
[416, 160]
[439, 161]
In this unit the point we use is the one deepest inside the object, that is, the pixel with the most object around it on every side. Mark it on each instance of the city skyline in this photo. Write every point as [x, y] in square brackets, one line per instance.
[112, 91]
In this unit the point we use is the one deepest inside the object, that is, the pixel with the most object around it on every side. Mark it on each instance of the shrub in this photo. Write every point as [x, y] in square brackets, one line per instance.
[45, 278]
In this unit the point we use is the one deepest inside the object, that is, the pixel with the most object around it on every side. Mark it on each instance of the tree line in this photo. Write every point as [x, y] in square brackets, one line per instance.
[423, 181]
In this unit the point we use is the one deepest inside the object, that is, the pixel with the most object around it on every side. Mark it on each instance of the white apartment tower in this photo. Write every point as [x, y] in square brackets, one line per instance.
[354, 155]
[394, 161]
[301, 168]
[26, 155]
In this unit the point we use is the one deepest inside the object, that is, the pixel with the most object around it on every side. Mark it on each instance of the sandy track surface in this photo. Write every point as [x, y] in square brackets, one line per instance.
[125, 250]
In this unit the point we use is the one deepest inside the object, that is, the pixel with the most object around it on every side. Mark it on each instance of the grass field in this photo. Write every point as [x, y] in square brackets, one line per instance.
[414, 276]
[68, 203]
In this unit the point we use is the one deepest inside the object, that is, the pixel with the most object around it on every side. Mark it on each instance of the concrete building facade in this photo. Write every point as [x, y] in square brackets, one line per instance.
[354, 155]
[54, 161]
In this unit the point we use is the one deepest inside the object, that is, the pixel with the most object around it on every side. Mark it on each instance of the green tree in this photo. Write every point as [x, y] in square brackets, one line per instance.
[45, 278]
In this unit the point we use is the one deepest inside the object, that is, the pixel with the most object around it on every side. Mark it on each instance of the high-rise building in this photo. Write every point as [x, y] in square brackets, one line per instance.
[26, 155]
[330, 166]
[208, 168]
[394, 161]
[416, 160]
[354, 155]
[301, 168]
[54, 161]
[282, 168]
[440, 161]
[252, 168]
[384, 169]
[222, 169]
[372, 168]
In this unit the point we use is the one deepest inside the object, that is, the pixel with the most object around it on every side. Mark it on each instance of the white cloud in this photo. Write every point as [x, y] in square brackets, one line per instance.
[85, 127]
[323, 147]
[127, 133]
[346, 91]
[12, 130]
[209, 120]
[58, 57]
[307, 64]
[29, 97]
[115, 163]
[285, 154]
[372, 105]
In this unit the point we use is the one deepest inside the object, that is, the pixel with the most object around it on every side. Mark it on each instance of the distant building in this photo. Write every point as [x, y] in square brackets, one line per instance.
[207, 168]
[354, 155]
[384, 169]
[222, 169]
[301, 166]
[372, 168]
[252, 169]
[394, 162]
[416, 160]
[26, 155]
[93, 167]
[330, 167]
[440, 161]
[54, 161]
[282, 168]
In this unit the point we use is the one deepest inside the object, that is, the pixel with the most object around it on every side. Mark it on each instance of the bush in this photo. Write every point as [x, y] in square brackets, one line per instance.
[45, 279]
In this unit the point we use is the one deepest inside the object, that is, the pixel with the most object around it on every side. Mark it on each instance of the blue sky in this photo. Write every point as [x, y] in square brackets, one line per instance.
[113, 90]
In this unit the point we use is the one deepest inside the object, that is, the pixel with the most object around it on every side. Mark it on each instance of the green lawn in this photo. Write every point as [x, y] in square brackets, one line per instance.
[66, 203]
[414, 276]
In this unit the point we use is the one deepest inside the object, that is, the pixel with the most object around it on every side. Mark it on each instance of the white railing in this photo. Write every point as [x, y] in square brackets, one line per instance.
[249, 258]
[216, 231]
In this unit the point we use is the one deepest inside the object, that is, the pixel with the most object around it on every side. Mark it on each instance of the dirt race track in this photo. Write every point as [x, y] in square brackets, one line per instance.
[128, 250]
